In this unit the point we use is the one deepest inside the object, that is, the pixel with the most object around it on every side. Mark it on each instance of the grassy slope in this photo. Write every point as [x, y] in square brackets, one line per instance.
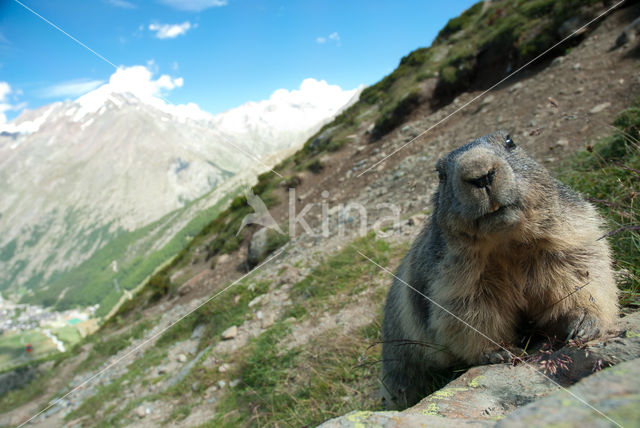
[608, 174]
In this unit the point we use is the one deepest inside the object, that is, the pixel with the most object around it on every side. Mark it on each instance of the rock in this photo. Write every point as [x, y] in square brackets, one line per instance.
[182, 358]
[230, 333]
[487, 395]
[571, 27]
[221, 384]
[599, 108]
[576, 66]
[488, 100]
[185, 289]
[224, 368]
[562, 143]
[415, 220]
[515, 87]
[556, 61]
[198, 332]
[256, 300]
[398, 174]
[613, 392]
[234, 383]
[258, 247]
[628, 34]
[140, 411]
[268, 320]
[223, 258]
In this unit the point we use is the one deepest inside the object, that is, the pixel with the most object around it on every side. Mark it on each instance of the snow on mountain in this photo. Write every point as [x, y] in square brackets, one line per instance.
[74, 173]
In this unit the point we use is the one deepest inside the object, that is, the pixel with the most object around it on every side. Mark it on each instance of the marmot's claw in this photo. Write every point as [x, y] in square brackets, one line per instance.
[496, 356]
[585, 327]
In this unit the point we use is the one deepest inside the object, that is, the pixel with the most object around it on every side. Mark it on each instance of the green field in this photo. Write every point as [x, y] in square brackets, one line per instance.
[12, 347]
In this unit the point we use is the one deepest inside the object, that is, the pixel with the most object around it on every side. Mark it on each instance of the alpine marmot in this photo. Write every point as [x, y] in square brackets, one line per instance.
[507, 245]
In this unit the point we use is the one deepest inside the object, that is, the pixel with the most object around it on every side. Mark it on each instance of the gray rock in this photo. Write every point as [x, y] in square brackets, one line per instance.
[513, 395]
[140, 411]
[599, 108]
[230, 333]
[198, 332]
[268, 320]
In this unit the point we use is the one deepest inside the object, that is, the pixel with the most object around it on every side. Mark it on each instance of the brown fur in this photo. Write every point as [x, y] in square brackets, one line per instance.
[507, 243]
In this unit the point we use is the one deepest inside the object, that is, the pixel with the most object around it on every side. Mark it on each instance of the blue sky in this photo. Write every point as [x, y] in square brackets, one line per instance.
[227, 52]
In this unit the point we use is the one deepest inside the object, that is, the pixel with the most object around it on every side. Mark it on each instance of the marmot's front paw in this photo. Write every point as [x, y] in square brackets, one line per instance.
[496, 356]
[584, 327]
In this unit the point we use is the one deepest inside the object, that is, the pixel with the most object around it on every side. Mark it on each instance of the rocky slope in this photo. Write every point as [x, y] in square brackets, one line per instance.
[296, 341]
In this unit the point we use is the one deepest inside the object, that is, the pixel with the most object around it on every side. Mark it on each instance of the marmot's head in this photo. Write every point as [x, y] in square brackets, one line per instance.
[485, 186]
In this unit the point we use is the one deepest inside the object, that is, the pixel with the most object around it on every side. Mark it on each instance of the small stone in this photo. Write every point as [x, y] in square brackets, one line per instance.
[415, 220]
[562, 142]
[255, 301]
[576, 66]
[221, 384]
[223, 258]
[234, 383]
[515, 87]
[195, 386]
[198, 332]
[268, 320]
[599, 108]
[141, 412]
[488, 99]
[224, 368]
[230, 333]
[182, 358]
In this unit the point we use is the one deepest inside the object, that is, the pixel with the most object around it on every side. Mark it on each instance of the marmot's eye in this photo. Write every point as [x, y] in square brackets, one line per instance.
[441, 175]
[509, 143]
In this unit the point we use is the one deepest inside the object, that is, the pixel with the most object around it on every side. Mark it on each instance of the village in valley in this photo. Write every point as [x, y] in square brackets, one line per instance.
[28, 331]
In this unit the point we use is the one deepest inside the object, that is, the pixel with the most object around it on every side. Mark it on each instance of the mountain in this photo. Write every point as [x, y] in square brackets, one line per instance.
[78, 174]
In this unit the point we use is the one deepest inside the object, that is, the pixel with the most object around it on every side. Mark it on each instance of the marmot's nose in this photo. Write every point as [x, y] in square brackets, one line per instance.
[483, 181]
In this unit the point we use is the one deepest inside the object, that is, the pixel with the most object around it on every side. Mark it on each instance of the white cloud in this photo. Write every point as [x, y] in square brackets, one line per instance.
[71, 88]
[170, 31]
[334, 37]
[124, 4]
[194, 5]
[138, 80]
[5, 104]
